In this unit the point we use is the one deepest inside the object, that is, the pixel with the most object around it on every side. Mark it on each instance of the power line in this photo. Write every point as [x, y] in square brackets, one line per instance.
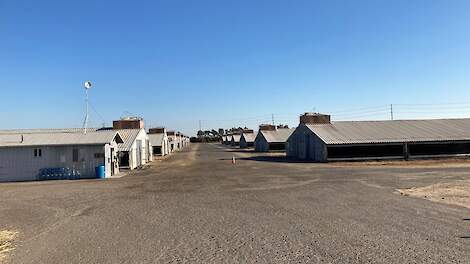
[372, 111]
[424, 104]
[98, 114]
[359, 109]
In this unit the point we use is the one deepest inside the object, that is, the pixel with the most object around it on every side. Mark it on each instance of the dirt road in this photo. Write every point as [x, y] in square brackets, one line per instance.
[197, 207]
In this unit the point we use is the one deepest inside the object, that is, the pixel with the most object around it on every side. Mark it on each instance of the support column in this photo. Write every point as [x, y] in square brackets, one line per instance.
[406, 152]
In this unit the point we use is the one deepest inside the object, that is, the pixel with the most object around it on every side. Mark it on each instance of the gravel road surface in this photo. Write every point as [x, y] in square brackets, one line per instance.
[198, 207]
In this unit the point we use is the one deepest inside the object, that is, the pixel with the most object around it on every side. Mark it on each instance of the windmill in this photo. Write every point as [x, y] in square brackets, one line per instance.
[87, 86]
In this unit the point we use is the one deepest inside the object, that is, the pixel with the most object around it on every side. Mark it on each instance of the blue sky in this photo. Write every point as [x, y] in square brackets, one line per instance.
[231, 62]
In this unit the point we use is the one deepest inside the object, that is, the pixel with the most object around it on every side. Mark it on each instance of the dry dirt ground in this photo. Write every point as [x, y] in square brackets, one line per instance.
[198, 207]
[456, 192]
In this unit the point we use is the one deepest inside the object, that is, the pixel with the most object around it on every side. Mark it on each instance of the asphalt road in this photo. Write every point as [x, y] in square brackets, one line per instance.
[197, 207]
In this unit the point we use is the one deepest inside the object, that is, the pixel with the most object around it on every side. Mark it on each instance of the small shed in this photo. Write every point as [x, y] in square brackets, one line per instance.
[38, 155]
[272, 140]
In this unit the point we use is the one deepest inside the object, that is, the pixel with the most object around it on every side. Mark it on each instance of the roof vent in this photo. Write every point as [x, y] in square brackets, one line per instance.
[129, 123]
[315, 118]
[267, 127]
[157, 130]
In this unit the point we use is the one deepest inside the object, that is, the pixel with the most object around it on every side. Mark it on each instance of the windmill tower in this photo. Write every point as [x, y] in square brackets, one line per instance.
[87, 86]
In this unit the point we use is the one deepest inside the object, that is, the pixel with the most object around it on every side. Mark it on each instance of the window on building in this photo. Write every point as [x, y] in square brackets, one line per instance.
[75, 155]
[37, 152]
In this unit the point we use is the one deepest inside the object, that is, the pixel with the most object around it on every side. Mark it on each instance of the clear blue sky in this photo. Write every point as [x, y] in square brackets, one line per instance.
[175, 62]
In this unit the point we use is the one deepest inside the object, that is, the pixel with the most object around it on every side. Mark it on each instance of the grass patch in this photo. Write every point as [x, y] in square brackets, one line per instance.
[6, 239]
[456, 192]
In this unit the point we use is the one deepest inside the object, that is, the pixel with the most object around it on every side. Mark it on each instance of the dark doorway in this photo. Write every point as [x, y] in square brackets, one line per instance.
[277, 146]
[124, 159]
[157, 150]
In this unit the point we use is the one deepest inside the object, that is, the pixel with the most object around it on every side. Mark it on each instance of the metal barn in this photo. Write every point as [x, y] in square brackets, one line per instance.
[235, 140]
[362, 140]
[24, 156]
[160, 145]
[135, 150]
[228, 140]
[272, 140]
[172, 141]
[247, 140]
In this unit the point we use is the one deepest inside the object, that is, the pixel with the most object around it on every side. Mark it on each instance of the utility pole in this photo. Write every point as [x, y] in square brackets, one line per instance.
[272, 117]
[391, 111]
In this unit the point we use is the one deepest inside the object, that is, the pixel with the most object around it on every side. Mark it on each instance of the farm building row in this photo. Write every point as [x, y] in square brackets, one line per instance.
[268, 138]
[319, 139]
[40, 154]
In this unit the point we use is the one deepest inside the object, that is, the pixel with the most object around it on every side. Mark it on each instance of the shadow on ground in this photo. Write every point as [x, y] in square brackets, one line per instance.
[241, 150]
[277, 159]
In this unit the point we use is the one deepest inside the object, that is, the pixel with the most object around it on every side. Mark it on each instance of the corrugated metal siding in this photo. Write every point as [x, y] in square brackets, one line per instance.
[261, 145]
[366, 132]
[303, 144]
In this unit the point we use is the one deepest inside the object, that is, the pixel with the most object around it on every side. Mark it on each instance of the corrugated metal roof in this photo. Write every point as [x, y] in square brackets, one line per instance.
[156, 139]
[250, 137]
[46, 130]
[49, 139]
[128, 136]
[280, 135]
[364, 132]
[236, 138]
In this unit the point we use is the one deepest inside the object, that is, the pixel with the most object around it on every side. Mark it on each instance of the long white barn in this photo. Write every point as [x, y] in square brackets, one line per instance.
[30, 156]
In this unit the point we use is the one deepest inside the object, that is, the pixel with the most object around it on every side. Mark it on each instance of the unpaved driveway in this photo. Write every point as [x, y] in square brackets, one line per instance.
[197, 207]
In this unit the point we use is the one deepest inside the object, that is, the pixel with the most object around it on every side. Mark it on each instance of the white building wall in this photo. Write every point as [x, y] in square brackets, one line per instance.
[19, 163]
[142, 137]
[165, 146]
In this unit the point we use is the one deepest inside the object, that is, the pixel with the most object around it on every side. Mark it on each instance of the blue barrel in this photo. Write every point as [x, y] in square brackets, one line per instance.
[100, 172]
